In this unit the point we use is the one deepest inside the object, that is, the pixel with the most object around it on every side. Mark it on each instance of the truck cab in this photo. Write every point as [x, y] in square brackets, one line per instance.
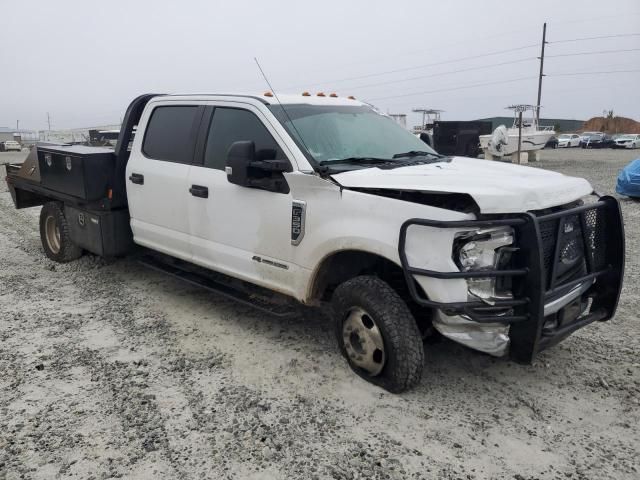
[325, 201]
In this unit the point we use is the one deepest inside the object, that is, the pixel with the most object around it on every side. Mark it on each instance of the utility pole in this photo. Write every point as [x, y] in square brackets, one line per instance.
[17, 126]
[519, 136]
[544, 41]
[49, 121]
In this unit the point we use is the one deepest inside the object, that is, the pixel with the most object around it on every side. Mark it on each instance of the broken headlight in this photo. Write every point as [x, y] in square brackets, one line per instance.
[486, 249]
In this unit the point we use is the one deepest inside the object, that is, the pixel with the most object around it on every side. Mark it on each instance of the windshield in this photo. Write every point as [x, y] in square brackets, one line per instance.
[332, 133]
[564, 136]
[627, 137]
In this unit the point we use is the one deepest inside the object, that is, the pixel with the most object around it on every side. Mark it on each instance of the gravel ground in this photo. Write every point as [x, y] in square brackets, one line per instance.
[109, 370]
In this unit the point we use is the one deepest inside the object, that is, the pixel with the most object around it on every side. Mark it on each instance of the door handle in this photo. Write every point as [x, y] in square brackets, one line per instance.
[137, 178]
[199, 191]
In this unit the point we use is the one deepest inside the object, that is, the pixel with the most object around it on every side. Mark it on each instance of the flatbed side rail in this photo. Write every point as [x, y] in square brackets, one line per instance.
[18, 186]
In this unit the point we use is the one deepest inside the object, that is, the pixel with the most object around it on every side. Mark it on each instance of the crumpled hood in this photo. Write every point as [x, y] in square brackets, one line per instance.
[496, 187]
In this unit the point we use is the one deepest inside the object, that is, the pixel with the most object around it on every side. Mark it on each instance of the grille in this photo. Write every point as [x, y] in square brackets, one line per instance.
[548, 234]
[595, 224]
[576, 245]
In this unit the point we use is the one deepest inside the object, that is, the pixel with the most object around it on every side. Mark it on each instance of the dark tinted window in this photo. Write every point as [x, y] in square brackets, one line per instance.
[168, 136]
[232, 125]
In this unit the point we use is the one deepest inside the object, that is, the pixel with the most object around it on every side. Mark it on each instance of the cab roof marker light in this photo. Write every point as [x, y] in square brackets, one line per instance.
[351, 97]
[321, 94]
[334, 95]
[268, 94]
[306, 94]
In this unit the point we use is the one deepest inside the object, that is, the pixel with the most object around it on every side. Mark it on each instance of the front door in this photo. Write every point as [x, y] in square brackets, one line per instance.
[245, 232]
[157, 179]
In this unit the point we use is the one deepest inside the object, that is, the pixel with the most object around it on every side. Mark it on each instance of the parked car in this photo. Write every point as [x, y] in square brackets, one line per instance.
[629, 180]
[600, 140]
[627, 141]
[10, 145]
[567, 140]
[551, 143]
[585, 135]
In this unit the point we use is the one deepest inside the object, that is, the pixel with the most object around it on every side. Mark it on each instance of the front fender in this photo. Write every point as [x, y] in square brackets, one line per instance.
[339, 220]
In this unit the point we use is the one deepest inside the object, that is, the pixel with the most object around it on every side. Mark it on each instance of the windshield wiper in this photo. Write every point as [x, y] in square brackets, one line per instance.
[417, 153]
[360, 160]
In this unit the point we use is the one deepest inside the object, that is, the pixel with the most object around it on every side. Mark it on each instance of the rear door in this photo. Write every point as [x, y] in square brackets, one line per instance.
[245, 232]
[157, 176]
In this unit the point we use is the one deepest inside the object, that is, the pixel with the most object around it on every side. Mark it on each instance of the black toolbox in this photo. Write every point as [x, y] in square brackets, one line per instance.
[82, 172]
[105, 233]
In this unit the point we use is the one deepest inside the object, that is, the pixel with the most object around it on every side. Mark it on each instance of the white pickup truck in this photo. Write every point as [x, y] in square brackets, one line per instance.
[318, 199]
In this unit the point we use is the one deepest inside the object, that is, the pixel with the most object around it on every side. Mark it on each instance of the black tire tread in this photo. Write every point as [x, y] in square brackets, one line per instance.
[403, 342]
[69, 251]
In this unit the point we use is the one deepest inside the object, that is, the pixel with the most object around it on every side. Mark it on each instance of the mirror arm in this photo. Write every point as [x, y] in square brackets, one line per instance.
[270, 165]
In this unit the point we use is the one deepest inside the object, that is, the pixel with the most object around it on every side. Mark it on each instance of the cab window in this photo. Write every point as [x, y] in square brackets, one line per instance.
[230, 125]
[170, 133]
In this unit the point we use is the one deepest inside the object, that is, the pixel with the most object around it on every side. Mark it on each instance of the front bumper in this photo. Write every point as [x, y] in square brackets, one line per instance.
[545, 308]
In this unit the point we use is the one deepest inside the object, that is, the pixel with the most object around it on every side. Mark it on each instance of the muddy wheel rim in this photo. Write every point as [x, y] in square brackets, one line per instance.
[52, 234]
[363, 341]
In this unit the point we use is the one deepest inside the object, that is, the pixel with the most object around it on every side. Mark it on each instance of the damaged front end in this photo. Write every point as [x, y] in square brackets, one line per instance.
[531, 279]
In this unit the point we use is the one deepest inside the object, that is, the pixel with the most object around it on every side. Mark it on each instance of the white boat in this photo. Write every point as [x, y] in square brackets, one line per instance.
[504, 141]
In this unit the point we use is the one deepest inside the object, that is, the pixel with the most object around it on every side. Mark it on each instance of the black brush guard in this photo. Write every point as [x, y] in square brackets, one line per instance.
[536, 278]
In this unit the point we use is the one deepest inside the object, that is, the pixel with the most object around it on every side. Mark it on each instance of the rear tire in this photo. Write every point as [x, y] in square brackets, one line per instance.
[54, 234]
[377, 334]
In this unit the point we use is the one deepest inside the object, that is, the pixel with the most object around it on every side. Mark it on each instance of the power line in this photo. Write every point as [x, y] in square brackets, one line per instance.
[591, 73]
[594, 53]
[597, 38]
[522, 93]
[462, 87]
[593, 19]
[443, 73]
[417, 67]
[473, 57]
[405, 53]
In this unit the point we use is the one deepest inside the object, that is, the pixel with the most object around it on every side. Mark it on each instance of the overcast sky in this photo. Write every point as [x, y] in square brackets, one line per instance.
[83, 61]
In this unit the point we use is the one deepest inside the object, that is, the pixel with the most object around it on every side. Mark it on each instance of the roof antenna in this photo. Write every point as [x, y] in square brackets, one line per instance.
[281, 105]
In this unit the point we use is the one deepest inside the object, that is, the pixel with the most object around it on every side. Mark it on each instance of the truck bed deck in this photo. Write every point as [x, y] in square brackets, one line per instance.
[76, 174]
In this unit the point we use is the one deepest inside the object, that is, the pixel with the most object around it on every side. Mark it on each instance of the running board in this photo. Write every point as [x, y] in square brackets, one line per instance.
[254, 296]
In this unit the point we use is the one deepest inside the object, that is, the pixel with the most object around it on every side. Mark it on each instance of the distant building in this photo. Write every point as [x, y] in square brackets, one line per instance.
[74, 135]
[563, 124]
[21, 136]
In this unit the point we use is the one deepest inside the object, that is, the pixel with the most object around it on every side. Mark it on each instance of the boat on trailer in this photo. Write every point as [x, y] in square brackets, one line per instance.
[534, 137]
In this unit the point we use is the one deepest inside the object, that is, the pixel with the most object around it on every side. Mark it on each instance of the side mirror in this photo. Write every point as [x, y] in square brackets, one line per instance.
[239, 157]
[248, 168]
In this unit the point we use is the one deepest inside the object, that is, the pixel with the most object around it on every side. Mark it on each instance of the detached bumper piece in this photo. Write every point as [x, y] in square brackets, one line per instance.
[566, 273]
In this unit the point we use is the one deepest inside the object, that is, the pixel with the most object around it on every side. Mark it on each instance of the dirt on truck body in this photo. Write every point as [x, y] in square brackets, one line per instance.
[110, 370]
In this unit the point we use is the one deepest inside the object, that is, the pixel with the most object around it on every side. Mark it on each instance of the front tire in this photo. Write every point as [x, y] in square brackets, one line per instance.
[54, 234]
[377, 334]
